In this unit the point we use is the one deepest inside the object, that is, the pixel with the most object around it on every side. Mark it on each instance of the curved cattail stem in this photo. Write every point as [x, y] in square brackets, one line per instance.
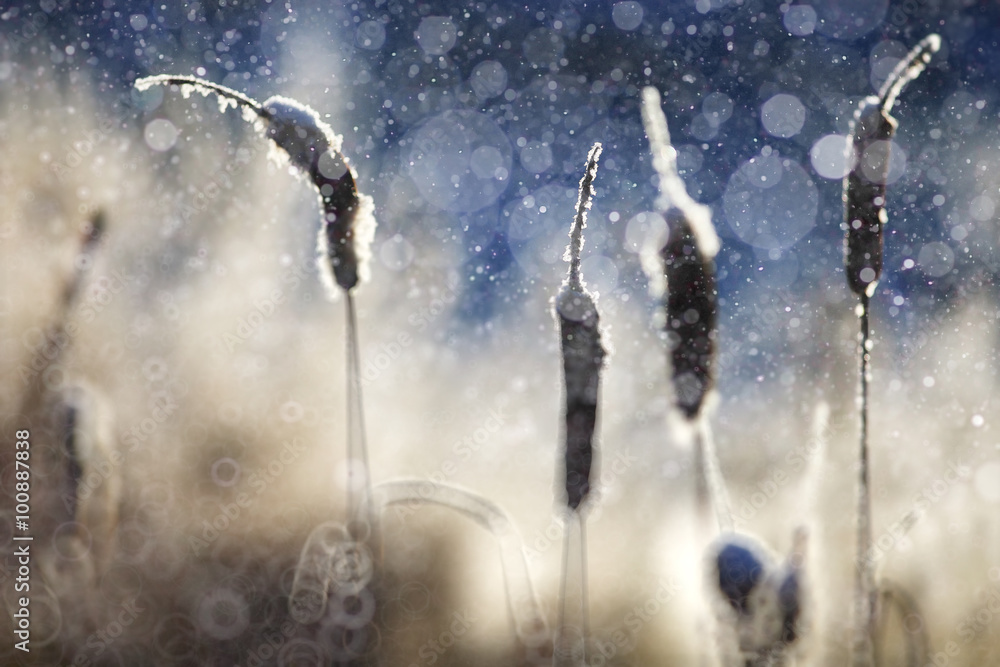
[311, 145]
[530, 627]
[189, 84]
[359, 477]
[345, 236]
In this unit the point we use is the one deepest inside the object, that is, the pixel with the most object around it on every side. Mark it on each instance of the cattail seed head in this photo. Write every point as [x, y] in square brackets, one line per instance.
[691, 307]
[583, 356]
[864, 194]
[348, 217]
[691, 314]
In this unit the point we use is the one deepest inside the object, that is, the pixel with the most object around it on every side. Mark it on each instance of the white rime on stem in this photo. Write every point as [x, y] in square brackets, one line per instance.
[673, 193]
[344, 240]
[529, 623]
[691, 246]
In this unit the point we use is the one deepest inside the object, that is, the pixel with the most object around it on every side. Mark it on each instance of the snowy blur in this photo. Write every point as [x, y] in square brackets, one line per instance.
[198, 374]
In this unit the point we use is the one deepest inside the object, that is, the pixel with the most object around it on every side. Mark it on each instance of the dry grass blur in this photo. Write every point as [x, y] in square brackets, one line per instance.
[220, 317]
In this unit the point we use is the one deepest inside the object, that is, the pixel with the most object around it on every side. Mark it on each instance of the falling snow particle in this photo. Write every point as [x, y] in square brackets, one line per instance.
[160, 134]
[783, 115]
[627, 15]
[832, 156]
[436, 35]
[800, 20]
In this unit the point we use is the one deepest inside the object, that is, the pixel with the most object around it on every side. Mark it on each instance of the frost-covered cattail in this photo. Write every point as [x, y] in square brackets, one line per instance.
[688, 268]
[761, 600]
[691, 314]
[864, 187]
[313, 148]
[864, 217]
[583, 357]
[582, 351]
[346, 232]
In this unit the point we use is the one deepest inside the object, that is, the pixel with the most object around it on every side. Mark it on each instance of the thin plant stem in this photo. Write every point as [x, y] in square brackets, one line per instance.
[573, 628]
[202, 85]
[711, 474]
[864, 590]
[530, 626]
[358, 501]
[575, 249]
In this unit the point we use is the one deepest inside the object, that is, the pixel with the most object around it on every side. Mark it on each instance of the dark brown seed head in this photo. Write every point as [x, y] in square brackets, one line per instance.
[314, 148]
[864, 196]
[583, 356]
[341, 206]
[864, 187]
[691, 314]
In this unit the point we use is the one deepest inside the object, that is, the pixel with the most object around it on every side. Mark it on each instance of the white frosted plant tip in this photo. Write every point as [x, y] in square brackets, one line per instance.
[908, 69]
[673, 193]
[313, 148]
[298, 130]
